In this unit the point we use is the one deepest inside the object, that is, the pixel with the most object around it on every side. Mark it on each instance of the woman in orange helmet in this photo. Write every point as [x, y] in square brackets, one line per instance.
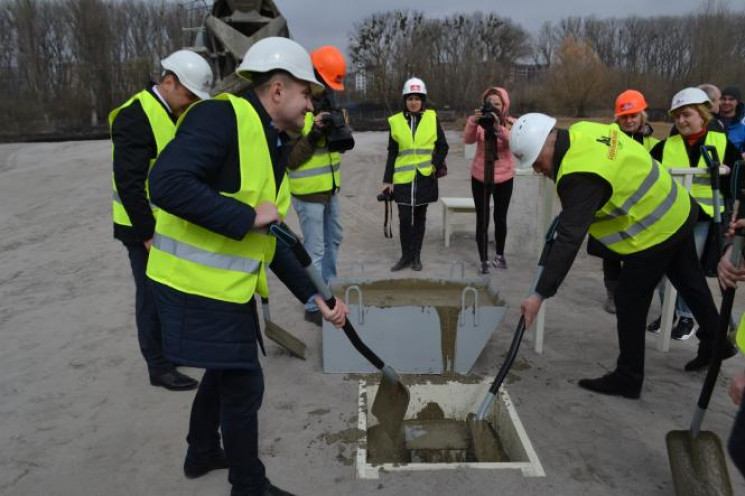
[631, 117]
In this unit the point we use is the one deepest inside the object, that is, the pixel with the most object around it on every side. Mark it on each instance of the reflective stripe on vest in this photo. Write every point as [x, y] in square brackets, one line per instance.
[414, 151]
[675, 154]
[646, 205]
[163, 130]
[195, 260]
[320, 173]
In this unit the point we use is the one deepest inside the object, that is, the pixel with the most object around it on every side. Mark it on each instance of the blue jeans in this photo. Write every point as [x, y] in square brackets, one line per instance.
[700, 232]
[322, 236]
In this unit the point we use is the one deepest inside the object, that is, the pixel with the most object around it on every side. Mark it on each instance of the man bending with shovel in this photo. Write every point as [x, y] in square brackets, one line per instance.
[610, 188]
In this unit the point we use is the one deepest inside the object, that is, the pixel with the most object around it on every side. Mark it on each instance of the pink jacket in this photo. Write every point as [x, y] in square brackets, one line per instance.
[504, 167]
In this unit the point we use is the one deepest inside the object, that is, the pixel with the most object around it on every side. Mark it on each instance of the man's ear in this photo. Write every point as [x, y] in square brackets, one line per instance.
[276, 89]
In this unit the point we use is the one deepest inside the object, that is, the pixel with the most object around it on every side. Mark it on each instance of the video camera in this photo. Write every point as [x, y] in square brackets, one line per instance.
[337, 132]
[488, 112]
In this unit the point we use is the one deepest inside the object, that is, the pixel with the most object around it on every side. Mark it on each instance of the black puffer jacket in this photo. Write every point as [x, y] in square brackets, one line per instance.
[423, 189]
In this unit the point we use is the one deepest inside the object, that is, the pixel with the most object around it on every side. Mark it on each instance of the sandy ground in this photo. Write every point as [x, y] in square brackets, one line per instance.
[79, 417]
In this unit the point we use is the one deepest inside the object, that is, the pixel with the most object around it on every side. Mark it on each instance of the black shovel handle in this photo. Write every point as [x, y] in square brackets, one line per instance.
[520, 331]
[289, 238]
[728, 297]
[711, 157]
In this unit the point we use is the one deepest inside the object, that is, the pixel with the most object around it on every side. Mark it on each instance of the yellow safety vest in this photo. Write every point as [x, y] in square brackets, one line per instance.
[163, 129]
[646, 205]
[648, 142]
[195, 260]
[740, 335]
[414, 151]
[318, 174]
[674, 155]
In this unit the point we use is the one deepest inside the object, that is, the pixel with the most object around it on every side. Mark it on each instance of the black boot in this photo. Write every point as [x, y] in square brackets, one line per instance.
[613, 384]
[705, 354]
[402, 264]
[416, 263]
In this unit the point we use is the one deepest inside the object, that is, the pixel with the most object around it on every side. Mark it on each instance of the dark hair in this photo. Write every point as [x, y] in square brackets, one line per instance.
[420, 95]
[259, 79]
[493, 91]
[167, 73]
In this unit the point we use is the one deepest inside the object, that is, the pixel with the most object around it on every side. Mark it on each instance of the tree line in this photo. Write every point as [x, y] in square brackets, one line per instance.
[575, 66]
[65, 63]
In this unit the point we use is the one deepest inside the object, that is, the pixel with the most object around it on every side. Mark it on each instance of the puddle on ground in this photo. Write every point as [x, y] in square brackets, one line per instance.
[431, 441]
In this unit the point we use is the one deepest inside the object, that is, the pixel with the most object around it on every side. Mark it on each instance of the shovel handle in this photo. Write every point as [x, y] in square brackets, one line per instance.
[728, 297]
[285, 235]
[711, 157]
[518, 336]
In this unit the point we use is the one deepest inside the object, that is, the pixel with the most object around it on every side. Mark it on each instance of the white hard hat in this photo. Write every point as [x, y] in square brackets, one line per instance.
[414, 85]
[689, 96]
[277, 53]
[527, 137]
[192, 70]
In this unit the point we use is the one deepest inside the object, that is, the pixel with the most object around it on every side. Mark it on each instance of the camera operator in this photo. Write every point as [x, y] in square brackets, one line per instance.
[314, 171]
[492, 171]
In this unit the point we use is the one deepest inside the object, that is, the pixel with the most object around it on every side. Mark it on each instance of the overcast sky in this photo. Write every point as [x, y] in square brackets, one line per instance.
[324, 22]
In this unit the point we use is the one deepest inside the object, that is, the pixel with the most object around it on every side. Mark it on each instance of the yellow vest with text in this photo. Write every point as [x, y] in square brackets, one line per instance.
[163, 130]
[674, 155]
[321, 172]
[646, 205]
[414, 151]
[198, 261]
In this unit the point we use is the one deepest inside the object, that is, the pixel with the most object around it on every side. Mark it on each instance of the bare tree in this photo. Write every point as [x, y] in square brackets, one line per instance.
[578, 79]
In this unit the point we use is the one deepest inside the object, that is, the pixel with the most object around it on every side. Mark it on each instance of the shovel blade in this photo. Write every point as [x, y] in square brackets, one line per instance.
[295, 346]
[390, 405]
[486, 444]
[698, 464]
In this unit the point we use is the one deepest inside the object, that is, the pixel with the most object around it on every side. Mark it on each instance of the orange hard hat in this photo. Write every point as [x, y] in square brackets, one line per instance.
[329, 62]
[630, 102]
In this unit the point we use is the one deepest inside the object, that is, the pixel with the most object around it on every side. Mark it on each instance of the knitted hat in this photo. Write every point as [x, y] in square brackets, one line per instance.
[732, 91]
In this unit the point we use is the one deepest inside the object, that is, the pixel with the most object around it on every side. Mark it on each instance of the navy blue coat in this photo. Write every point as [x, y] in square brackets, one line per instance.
[186, 179]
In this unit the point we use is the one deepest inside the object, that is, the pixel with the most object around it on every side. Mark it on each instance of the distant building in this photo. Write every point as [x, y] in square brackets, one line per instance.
[526, 69]
[359, 80]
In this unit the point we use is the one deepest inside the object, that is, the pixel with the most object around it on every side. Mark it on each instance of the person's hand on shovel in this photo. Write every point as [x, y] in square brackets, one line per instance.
[737, 387]
[530, 307]
[337, 315]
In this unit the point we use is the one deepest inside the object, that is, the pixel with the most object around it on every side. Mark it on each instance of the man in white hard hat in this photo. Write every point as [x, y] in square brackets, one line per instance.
[610, 188]
[219, 184]
[140, 129]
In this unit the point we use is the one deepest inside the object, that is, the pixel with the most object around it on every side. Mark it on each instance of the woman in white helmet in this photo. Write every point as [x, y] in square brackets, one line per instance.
[691, 113]
[416, 158]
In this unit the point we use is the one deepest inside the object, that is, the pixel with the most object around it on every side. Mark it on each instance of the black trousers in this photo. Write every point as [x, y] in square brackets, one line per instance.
[482, 195]
[146, 315]
[411, 233]
[611, 273]
[736, 444]
[637, 282]
[229, 400]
